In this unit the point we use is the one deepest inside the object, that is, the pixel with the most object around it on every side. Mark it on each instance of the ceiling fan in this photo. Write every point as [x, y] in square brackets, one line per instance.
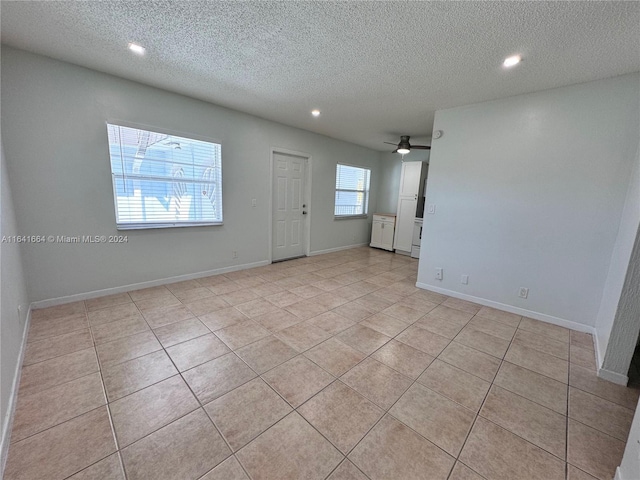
[404, 146]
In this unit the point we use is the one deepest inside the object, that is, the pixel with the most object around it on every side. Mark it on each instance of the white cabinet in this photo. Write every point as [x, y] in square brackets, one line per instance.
[382, 231]
[406, 216]
[410, 181]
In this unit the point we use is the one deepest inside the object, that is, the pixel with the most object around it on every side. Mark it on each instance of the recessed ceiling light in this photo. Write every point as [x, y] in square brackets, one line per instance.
[511, 61]
[135, 48]
[315, 113]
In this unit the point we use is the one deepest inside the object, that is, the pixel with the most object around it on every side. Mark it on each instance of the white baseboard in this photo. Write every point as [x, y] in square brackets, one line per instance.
[337, 249]
[613, 376]
[8, 419]
[618, 475]
[608, 375]
[511, 309]
[51, 302]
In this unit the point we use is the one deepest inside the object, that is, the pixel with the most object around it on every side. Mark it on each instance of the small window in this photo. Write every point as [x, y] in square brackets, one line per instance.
[352, 191]
[162, 180]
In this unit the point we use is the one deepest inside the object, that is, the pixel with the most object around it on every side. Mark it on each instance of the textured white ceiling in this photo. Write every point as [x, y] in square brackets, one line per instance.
[375, 69]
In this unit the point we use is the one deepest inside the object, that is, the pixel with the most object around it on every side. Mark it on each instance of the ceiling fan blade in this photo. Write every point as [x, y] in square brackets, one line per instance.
[390, 143]
[421, 147]
[395, 151]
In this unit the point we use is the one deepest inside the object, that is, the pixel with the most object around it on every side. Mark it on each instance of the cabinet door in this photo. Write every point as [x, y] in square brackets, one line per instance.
[376, 234]
[404, 223]
[410, 179]
[387, 236]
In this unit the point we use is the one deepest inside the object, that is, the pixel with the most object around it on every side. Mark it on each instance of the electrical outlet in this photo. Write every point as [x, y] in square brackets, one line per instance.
[438, 273]
[464, 279]
[431, 209]
[254, 202]
[523, 293]
[235, 254]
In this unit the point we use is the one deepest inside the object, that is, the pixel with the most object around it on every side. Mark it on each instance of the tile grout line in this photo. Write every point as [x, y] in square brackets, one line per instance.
[186, 383]
[335, 379]
[386, 411]
[200, 405]
[106, 399]
[477, 415]
[102, 380]
[300, 353]
[295, 409]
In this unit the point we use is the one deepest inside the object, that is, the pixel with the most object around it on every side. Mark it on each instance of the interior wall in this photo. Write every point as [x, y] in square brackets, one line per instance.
[390, 171]
[626, 325]
[53, 120]
[529, 193]
[620, 262]
[13, 293]
[630, 465]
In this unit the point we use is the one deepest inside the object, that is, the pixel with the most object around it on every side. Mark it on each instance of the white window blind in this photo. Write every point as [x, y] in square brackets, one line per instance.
[352, 190]
[162, 180]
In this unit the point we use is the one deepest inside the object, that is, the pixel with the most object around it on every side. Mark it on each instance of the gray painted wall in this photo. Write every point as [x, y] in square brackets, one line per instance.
[13, 294]
[626, 325]
[54, 131]
[620, 263]
[390, 171]
[529, 193]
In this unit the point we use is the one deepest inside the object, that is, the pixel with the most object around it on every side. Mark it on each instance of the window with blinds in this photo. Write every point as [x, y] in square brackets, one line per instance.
[352, 191]
[162, 180]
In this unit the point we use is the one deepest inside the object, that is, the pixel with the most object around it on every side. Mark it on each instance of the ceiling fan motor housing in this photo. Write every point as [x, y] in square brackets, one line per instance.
[404, 142]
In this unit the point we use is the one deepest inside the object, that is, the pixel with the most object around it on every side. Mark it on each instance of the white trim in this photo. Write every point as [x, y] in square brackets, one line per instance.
[8, 418]
[511, 309]
[613, 377]
[51, 302]
[307, 196]
[596, 343]
[618, 475]
[338, 249]
[608, 375]
[270, 215]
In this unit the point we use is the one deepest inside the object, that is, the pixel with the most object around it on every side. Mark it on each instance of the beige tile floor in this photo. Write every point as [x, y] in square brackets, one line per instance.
[332, 366]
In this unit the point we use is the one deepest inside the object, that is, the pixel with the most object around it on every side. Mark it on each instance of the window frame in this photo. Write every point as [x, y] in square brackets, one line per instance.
[169, 132]
[366, 193]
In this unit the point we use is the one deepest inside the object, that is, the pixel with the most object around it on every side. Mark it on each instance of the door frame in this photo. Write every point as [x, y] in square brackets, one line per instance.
[307, 197]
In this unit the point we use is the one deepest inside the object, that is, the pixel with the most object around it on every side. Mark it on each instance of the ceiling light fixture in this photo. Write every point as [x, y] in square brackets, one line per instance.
[511, 61]
[315, 113]
[404, 146]
[138, 49]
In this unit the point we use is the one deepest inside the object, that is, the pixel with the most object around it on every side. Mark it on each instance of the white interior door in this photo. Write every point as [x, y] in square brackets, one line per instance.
[289, 207]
